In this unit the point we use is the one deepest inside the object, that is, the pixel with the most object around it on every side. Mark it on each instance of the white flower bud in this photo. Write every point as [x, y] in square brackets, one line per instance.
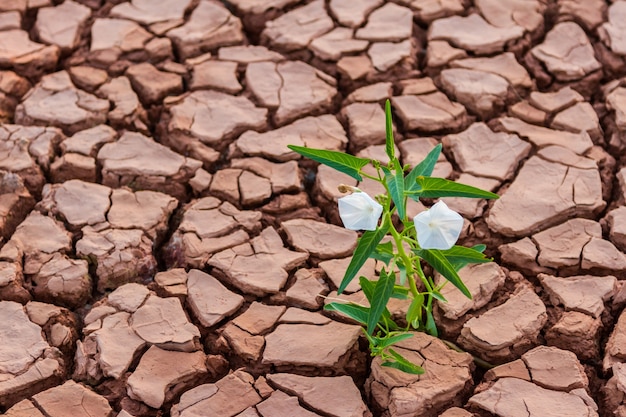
[439, 227]
[358, 211]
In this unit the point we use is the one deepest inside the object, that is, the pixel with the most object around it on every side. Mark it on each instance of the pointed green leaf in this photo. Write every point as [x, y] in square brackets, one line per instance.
[480, 247]
[414, 313]
[383, 252]
[340, 161]
[381, 257]
[368, 290]
[354, 311]
[367, 287]
[395, 183]
[367, 244]
[460, 256]
[429, 187]
[438, 296]
[424, 168]
[389, 144]
[438, 261]
[387, 322]
[431, 327]
[382, 293]
[400, 292]
[403, 364]
[383, 342]
[402, 270]
[404, 367]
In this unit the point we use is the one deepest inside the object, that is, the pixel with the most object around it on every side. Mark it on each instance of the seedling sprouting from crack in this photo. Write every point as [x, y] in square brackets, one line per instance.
[428, 237]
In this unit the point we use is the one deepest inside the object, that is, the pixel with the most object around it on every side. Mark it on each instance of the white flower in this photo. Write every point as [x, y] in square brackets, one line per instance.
[439, 227]
[358, 211]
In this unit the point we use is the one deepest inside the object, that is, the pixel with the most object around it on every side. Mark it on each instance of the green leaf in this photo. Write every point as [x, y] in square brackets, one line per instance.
[383, 252]
[354, 311]
[389, 144]
[480, 247]
[409, 369]
[424, 168]
[429, 187]
[414, 313]
[384, 258]
[400, 292]
[382, 293]
[431, 326]
[383, 342]
[367, 244]
[440, 263]
[402, 270]
[403, 364]
[368, 287]
[460, 256]
[342, 162]
[387, 322]
[395, 183]
[438, 296]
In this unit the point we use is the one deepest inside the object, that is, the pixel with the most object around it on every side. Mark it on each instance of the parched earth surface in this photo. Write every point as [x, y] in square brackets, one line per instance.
[163, 253]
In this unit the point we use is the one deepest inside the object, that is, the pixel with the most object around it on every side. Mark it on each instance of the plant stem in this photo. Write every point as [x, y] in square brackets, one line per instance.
[371, 177]
[422, 276]
[410, 272]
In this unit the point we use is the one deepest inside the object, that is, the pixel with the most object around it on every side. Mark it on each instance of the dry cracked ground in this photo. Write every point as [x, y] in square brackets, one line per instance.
[163, 253]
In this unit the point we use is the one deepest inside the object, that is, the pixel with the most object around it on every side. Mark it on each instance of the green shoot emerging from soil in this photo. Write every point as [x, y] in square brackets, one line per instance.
[402, 244]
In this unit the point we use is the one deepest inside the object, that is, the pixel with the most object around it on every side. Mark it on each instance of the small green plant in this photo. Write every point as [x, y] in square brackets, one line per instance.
[428, 237]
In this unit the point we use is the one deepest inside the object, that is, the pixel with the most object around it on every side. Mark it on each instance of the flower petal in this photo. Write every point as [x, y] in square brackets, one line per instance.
[358, 211]
[439, 227]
